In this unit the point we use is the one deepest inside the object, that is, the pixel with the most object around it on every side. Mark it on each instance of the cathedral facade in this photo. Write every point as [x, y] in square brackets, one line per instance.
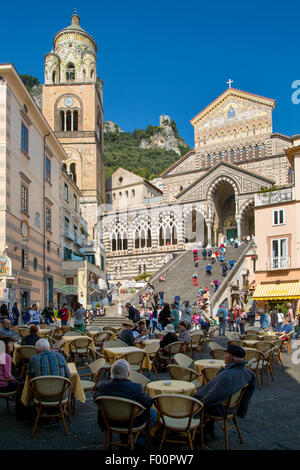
[208, 193]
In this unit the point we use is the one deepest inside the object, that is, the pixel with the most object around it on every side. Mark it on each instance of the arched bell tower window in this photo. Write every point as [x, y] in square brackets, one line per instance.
[92, 73]
[75, 120]
[70, 72]
[53, 76]
[61, 121]
[68, 120]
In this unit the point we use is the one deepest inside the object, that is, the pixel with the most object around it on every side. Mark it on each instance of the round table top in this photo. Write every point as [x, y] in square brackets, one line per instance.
[208, 363]
[151, 341]
[250, 342]
[175, 386]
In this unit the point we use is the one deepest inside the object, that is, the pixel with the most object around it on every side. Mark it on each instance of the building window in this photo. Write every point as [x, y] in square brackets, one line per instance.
[120, 195]
[68, 120]
[114, 196]
[69, 281]
[48, 169]
[278, 217]
[279, 251]
[90, 258]
[24, 259]
[133, 193]
[37, 220]
[256, 151]
[290, 176]
[24, 138]
[48, 219]
[67, 254]
[73, 171]
[75, 201]
[48, 246]
[102, 263]
[66, 223]
[53, 76]
[35, 264]
[75, 233]
[66, 192]
[24, 199]
[70, 72]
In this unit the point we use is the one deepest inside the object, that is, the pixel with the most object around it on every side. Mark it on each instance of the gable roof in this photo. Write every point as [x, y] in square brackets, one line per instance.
[233, 92]
[214, 168]
[180, 160]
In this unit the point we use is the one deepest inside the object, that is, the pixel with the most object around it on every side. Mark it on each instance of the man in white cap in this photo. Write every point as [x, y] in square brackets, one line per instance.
[170, 337]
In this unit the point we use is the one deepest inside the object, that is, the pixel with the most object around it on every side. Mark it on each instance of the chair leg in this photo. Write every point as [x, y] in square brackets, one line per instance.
[61, 409]
[258, 381]
[36, 421]
[163, 438]
[106, 439]
[226, 435]
[190, 440]
[238, 428]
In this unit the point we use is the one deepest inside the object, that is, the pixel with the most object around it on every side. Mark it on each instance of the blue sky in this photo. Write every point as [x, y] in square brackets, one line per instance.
[169, 57]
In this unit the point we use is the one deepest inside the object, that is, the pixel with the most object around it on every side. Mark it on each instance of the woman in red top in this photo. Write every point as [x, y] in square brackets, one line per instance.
[64, 314]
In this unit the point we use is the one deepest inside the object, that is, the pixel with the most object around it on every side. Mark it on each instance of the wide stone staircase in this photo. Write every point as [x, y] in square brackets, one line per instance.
[179, 274]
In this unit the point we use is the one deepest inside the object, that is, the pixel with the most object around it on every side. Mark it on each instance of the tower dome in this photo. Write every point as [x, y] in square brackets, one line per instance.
[74, 57]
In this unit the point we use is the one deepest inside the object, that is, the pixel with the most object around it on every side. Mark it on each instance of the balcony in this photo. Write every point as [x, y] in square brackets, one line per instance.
[68, 234]
[278, 263]
[274, 197]
[77, 240]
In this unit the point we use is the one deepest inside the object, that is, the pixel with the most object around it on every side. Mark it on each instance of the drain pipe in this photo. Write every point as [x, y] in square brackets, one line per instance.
[44, 218]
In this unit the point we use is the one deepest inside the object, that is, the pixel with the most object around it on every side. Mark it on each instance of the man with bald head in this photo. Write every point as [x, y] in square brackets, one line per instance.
[7, 332]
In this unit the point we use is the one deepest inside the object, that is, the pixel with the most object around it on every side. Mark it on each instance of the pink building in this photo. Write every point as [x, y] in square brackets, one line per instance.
[277, 236]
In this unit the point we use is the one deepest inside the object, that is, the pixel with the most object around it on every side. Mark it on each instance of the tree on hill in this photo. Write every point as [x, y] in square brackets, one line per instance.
[29, 81]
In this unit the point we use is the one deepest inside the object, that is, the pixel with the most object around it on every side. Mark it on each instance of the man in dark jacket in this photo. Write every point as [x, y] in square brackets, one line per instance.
[127, 335]
[231, 378]
[121, 386]
[32, 338]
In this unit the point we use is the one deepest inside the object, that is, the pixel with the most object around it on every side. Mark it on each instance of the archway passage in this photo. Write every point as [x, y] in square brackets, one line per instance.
[224, 223]
[248, 227]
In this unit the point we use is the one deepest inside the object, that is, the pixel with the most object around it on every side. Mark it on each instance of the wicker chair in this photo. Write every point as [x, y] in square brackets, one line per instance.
[267, 365]
[116, 343]
[208, 373]
[23, 331]
[72, 333]
[138, 378]
[99, 339]
[218, 353]
[177, 415]
[232, 403]
[80, 347]
[249, 337]
[277, 353]
[152, 350]
[95, 369]
[51, 391]
[184, 373]
[123, 411]
[135, 359]
[255, 360]
[10, 396]
[170, 350]
[194, 343]
[183, 360]
[67, 328]
[263, 346]
[26, 353]
[287, 342]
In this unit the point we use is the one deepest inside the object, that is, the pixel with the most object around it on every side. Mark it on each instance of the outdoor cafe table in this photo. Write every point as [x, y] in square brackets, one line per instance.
[91, 333]
[113, 354]
[199, 365]
[179, 387]
[76, 385]
[68, 339]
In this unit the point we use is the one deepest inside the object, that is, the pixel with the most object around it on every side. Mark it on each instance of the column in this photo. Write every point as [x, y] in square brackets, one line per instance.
[238, 223]
[209, 227]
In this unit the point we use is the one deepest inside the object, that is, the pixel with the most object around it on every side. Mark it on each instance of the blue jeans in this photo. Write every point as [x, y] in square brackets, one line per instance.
[231, 326]
[222, 326]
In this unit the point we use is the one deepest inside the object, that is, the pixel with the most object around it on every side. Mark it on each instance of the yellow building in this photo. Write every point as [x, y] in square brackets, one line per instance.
[30, 197]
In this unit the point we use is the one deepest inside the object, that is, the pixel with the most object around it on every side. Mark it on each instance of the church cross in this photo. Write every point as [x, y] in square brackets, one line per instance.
[229, 83]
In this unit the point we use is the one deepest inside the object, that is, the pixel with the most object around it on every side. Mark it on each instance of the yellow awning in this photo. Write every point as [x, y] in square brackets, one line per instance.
[284, 290]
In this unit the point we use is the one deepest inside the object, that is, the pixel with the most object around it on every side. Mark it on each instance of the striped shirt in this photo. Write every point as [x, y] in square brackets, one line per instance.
[48, 363]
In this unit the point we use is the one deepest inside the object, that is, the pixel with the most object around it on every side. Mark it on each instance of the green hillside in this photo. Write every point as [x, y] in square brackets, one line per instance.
[122, 149]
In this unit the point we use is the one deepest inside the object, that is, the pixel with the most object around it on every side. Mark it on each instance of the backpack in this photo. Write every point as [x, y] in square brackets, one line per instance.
[136, 315]
[221, 315]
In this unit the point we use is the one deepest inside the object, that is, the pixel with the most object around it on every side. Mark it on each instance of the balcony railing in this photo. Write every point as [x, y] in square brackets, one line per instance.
[78, 240]
[274, 197]
[278, 263]
[68, 234]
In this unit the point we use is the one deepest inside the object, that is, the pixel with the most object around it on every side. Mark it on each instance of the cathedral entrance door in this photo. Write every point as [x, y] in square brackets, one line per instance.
[231, 233]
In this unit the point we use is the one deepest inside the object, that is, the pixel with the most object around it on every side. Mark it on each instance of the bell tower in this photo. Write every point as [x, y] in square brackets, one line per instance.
[73, 106]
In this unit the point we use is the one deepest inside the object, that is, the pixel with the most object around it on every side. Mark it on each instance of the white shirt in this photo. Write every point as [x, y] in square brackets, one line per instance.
[280, 317]
[34, 316]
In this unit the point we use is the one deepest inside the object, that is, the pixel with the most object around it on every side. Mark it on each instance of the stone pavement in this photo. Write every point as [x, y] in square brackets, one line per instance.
[272, 422]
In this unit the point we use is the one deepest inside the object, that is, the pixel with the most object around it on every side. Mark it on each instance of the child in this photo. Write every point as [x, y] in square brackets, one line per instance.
[196, 320]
